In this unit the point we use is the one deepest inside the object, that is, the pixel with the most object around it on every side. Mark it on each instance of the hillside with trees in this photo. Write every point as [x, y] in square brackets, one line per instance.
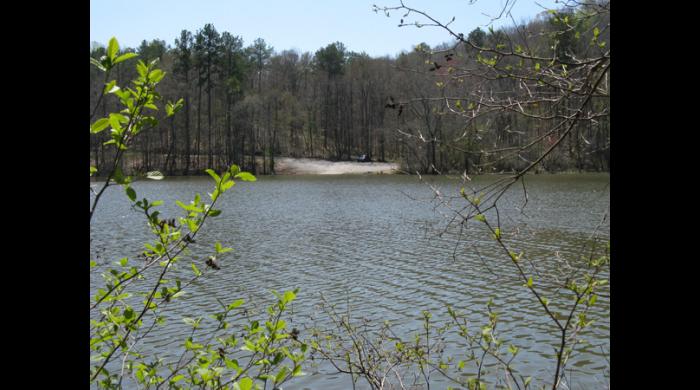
[457, 107]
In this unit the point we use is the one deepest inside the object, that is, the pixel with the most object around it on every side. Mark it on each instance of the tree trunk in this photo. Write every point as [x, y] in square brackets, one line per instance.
[169, 166]
[199, 126]
[230, 153]
[187, 132]
[274, 140]
[210, 155]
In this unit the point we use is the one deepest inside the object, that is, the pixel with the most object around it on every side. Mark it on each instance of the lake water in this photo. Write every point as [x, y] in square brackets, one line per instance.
[374, 242]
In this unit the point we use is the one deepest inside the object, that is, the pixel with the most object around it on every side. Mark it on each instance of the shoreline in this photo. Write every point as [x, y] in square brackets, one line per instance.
[290, 166]
[310, 166]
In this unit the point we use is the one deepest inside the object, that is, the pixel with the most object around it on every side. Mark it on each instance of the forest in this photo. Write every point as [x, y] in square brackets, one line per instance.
[458, 107]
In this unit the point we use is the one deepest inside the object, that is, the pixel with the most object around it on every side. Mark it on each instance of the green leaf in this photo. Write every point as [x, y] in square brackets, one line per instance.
[124, 57]
[121, 118]
[497, 233]
[245, 176]
[249, 346]
[227, 185]
[191, 322]
[196, 270]
[244, 384]
[112, 49]
[172, 108]
[99, 125]
[93, 170]
[156, 75]
[141, 68]
[289, 296]
[179, 294]
[97, 64]
[221, 249]
[231, 364]
[111, 87]
[529, 281]
[189, 345]
[281, 374]
[297, 371]
[192, 225]
[131, 193]
[592, 300]
[123, 95]
[177, 378]
[114, 122]
[213, 174]
[235, 304]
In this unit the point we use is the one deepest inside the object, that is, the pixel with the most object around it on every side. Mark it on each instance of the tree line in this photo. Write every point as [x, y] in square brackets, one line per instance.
[448, 108]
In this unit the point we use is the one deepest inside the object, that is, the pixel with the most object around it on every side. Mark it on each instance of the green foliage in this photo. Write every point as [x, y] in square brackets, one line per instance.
[331, 59]
[110, 59]
[245, 176]
[119, 321]
[477, 37]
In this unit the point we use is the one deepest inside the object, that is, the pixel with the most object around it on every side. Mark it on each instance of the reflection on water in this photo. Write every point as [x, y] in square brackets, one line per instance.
[373, 241]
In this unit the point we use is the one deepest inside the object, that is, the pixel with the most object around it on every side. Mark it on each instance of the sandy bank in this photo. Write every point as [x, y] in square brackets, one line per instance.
[308, 166]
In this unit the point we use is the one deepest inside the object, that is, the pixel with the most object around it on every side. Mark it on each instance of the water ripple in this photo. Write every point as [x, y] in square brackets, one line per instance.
[362, 240]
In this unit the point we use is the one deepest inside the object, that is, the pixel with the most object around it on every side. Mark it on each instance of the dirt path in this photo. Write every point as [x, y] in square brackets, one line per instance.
[308, 166]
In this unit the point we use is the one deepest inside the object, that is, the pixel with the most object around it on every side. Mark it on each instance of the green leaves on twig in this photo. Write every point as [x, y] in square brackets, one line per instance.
[225, 182]
[110, 60]
[118, 322]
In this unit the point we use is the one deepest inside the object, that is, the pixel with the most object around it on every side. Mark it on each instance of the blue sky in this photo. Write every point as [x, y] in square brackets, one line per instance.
[305, 25]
